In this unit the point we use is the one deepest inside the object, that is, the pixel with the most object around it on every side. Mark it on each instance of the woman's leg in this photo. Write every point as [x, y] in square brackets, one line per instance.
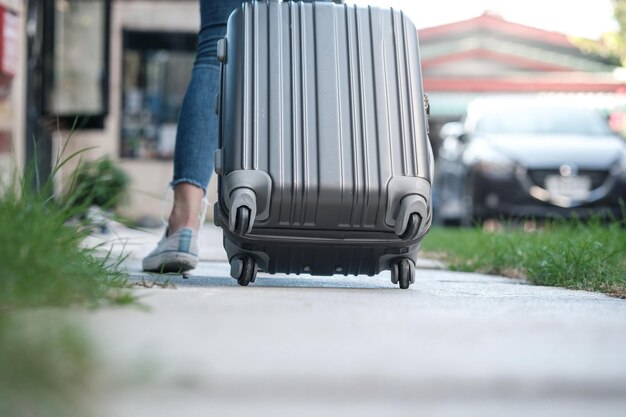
[196, 140]
[197, 127]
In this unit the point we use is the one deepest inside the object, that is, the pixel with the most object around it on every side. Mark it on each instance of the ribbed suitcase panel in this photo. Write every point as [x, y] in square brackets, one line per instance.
[330, 104]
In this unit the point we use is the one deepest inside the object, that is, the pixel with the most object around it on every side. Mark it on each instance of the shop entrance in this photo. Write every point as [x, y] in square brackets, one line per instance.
[156, 70]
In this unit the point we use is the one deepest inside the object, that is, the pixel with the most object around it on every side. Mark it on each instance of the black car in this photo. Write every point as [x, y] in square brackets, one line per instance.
[528, 158]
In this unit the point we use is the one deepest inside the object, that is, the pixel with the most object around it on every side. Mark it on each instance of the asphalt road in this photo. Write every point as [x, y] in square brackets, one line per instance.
[454, 344]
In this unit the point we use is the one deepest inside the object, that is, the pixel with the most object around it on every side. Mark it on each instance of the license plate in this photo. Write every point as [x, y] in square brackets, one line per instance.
[577, 187]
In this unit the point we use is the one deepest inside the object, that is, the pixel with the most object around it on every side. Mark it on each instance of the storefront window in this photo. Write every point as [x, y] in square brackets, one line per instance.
[157, 67]
[77, 77]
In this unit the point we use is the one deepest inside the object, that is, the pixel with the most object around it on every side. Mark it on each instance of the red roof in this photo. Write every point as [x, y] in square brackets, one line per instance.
[496, 23]
[544, 69]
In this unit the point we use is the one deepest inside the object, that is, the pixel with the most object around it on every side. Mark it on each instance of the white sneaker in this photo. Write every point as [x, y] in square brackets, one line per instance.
[175, 253]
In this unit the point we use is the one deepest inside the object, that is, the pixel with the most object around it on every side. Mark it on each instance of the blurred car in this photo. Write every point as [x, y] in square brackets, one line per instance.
[528, 158]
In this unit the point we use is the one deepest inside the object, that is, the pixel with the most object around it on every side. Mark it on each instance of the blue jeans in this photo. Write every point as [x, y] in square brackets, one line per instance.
[196, 138]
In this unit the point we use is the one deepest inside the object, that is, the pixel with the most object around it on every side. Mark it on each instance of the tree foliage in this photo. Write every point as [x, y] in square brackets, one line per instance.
[612, 45]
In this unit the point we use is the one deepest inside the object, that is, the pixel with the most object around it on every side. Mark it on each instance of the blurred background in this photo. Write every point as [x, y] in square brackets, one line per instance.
[121, 67]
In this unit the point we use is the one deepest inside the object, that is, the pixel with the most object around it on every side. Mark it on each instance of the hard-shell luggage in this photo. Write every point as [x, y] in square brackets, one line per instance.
[324, 162]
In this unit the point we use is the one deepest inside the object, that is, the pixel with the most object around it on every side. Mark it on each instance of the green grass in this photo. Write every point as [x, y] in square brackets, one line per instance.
[42, 261]
[584, 256]
[46, 363]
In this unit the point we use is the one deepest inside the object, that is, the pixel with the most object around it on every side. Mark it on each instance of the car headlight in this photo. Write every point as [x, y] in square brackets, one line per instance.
[490, 162]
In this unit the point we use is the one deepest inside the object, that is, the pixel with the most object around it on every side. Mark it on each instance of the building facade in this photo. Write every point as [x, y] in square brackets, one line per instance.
[128, 113]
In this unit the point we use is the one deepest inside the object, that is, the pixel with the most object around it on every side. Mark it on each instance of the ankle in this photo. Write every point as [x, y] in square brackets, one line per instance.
[180, 220]
[188, 207]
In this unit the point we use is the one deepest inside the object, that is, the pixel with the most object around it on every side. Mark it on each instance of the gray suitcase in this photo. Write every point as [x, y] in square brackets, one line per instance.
[324, 162]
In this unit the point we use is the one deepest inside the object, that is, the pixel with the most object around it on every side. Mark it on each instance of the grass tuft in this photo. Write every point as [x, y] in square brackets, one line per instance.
[577, 255]
[42, 261]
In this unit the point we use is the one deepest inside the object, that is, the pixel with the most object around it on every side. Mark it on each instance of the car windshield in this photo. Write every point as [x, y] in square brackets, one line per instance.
[542, 121]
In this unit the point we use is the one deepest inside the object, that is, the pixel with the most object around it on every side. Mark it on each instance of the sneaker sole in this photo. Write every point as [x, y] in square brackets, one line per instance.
[170, 262]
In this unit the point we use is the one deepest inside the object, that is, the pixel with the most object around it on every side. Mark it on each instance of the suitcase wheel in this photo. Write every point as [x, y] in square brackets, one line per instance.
[243, 270]
[242, 207]
[403, 273]
[242, 220]
[412, 227]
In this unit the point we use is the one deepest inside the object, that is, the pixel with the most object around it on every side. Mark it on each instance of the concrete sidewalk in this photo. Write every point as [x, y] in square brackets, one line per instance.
[454, 344]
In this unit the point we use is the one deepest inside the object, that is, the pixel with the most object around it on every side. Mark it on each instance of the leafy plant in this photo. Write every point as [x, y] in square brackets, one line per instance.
[99, 182]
